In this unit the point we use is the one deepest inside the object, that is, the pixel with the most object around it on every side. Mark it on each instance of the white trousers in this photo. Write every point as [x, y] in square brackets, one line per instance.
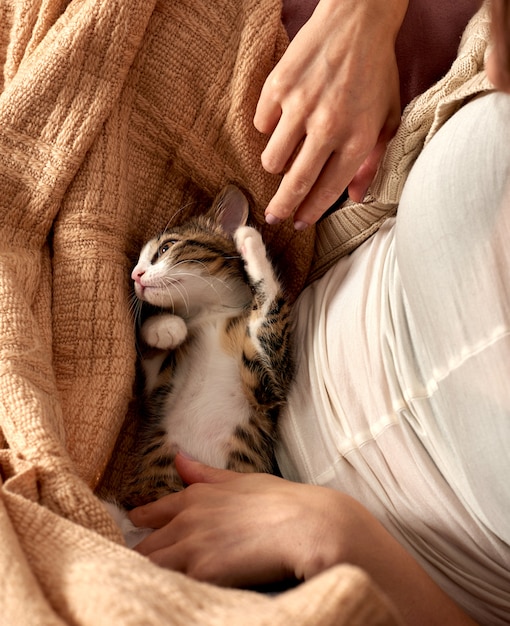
[402, 396]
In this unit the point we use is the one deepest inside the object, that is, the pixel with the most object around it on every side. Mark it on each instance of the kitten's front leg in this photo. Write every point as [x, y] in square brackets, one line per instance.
[269, 324]
[258, 267]
[165, 331]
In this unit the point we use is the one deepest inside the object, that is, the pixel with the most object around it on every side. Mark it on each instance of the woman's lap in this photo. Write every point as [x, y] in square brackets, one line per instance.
[453, 259]
[402, 395]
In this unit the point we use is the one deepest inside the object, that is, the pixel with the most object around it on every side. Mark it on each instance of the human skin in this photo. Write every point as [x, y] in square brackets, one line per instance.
[330, 106]
[224, 521]
[498, 64]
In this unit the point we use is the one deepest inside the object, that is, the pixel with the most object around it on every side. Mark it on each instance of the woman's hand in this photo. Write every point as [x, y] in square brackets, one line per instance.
[240, 529]
[331, 105]
[244, 530]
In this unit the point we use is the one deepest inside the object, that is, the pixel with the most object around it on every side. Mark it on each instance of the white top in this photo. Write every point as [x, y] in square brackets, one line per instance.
[402, 395]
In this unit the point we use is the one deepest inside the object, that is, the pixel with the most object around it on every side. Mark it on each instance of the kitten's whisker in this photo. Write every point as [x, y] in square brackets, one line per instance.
[136, 306]
[185, 296]
[176, 214]
[170, 284]
[132, 305]
[135, 309]
[206, 268]
[197, 261]
[170, 296]
[208, 282]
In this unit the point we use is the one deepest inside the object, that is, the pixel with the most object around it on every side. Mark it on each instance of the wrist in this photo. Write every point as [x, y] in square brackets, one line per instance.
[390, 13]
[331, 519]
[354, 536]
[384, 17]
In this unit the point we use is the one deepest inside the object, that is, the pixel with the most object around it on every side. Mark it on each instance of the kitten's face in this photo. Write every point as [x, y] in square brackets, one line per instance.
[190, 268]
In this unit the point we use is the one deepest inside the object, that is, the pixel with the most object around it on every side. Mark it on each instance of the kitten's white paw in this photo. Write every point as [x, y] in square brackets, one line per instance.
[132, 534]
[165, 332]
[251, 247]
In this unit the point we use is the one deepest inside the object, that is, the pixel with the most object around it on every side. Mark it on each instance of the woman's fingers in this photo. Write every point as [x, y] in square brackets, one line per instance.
[243, 529]
[158, 513]
[269, 109]
[283, 145]
[330, 106]
[298, 180]
[319, 174]
[328, 187]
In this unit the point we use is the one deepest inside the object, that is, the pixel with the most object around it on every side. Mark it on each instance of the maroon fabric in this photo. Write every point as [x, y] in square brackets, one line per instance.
[427, 43]
[295, 13]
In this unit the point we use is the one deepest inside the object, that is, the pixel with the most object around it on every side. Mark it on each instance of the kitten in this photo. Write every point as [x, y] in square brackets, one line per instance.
[216, 350]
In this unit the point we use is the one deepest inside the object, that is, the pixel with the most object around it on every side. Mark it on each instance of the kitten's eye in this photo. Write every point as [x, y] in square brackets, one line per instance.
[166, 246]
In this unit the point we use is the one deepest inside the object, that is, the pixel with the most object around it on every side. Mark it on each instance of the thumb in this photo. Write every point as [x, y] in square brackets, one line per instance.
[192, 471]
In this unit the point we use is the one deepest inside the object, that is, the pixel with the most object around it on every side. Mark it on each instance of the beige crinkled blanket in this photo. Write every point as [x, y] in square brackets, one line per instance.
[113, 113]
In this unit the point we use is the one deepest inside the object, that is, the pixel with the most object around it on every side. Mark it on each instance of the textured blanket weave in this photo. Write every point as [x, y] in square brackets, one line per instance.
[117, 116]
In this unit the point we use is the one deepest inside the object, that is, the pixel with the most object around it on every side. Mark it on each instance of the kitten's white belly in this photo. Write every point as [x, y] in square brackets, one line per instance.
[207, 403]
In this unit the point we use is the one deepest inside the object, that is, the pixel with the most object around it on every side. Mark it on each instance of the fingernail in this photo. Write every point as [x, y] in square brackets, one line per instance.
[298, 225]
[184, 454]
[272, 219]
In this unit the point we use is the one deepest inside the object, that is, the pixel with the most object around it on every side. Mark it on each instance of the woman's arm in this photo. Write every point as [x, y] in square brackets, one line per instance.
[330, 105]
[248, 529]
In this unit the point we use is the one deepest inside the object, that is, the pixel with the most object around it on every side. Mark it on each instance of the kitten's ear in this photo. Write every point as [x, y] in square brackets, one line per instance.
[231, 209]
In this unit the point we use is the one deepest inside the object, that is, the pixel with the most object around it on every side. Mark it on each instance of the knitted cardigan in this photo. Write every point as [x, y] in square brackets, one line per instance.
[114, 114]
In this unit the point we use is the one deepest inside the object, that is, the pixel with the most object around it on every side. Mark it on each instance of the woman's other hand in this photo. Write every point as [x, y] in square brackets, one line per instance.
[331, 105]
[240, 529]
[244, 530]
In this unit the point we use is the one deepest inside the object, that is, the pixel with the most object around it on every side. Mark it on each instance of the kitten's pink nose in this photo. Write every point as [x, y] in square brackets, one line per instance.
[137, 274]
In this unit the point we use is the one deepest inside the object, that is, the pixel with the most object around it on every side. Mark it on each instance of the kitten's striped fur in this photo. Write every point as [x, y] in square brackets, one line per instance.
[217, 357]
